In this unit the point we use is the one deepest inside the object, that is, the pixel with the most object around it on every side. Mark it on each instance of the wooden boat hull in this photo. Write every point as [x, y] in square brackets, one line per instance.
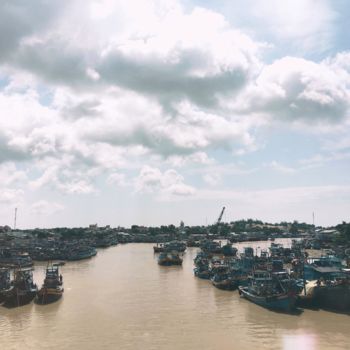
[337, 297]
[327, 297]
[227, 284]
[205, 274]
[17, 297]
[282, 302]
[78, 256]
[169, 262]
[48, 295]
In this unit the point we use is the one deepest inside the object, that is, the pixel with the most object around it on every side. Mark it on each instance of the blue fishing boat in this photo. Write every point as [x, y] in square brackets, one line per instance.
[80, 253]
[169, 258]
[202, 269]
[9, 258]
[325, 267]
[228, 250]
[223, 278]
[202, 272]
[177, 246]
[266, 291]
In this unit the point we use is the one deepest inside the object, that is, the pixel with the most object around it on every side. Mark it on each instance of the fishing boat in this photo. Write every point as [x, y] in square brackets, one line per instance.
[10, 258]
[5, 283]
[265, 291]
[169, 258]
[22, 290]
[177, 246]
[202, 272]
[211, 247]
[228, 250]
[158, 248]
[330, 291]
[52, 289]
[81, 252]
[324, 267]
[202, 269]
[223, 278]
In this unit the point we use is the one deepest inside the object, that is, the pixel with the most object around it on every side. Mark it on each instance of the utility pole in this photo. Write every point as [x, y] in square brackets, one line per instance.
[15, 221]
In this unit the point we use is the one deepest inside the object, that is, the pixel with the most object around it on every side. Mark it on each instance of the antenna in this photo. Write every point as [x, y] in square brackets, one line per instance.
[313, 219]
[15, 221]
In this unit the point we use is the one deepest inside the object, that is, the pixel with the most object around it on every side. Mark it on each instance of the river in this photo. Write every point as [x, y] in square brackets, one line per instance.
[122, 299]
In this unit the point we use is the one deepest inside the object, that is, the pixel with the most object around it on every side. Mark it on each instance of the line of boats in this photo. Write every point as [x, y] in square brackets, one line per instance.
[311, 282]
[17, 287]
[16, 257]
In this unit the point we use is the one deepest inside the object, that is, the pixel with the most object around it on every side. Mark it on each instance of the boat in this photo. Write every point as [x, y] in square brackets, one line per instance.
[52, 289]
[202, 269]
[211, 247]
[169, 258]
[265, 291]
[9, 258]
[223, 278]
[80, 253]
[202, 272]
[158, 248]
[22, 290]
[5, 282]
[228, 250]
[330, 291]
[324, 267]
[177, 246]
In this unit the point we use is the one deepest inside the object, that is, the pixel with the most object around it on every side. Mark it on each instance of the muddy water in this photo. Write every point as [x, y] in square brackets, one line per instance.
[122, 299]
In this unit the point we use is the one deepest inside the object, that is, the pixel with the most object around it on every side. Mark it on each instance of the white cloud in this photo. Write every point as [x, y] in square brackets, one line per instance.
[281, 168]
[9, 174]
[97, 89]
[293, 26]
[11, 196]
[152, 180]
[197, 158]
[285, 196]
[307, 23]
[118, 179]
[45, 208]
[298, 90]
[212, 179]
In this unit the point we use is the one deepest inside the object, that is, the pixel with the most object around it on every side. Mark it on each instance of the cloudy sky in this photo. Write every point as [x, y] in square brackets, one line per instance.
[151, 112]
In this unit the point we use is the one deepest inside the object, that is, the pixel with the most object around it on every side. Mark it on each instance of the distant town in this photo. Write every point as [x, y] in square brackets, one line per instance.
[21, 246]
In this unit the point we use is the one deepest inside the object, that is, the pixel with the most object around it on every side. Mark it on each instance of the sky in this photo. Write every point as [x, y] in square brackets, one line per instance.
[152, 112]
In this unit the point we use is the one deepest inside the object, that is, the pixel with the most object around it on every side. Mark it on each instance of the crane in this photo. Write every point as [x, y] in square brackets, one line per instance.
[220, 216]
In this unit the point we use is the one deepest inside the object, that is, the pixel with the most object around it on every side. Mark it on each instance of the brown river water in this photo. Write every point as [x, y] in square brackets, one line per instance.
[122, 299]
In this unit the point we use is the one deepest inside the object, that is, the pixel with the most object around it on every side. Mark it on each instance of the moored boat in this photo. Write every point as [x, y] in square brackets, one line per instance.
[265, 291]
[9, 258]
[331, 292]
[80, 253]
[52, 289]
[158, 248]
[169, 258]
[22, 290]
